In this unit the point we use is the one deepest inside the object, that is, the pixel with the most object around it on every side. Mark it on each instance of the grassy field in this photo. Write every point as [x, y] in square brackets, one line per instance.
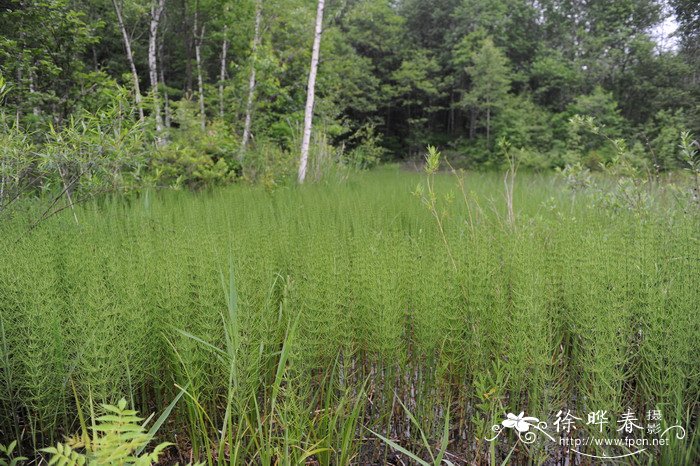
[297, 322]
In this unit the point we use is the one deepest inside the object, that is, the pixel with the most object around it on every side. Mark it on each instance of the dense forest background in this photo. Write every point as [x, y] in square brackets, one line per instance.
[216, 88]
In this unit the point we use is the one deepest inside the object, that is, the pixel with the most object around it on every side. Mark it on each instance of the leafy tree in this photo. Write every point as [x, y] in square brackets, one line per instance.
[41, 51]
[602, 106]
[490, 76]
[662, 136]
[524, 124]
[555, 80]
[416, 88]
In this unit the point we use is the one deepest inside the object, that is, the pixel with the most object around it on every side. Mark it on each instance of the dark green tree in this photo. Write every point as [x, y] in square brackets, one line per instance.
[491, 78]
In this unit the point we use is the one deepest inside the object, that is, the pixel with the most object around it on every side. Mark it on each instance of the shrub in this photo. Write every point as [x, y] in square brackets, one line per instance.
[192, 156]
[664, 150]
[366, 150]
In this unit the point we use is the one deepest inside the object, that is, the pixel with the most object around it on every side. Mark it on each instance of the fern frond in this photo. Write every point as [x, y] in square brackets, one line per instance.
[64, 455]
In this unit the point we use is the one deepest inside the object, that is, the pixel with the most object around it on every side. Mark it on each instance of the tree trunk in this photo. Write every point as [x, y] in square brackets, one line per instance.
[251, 80]
[451, 114]
[198, 38]
[186, 27]
[222, 75]
[32, 90]
[488, 128]
[130, 59]
[18, 113]
[156, 12]
[166, 100]
[472, 123]
[310, 93]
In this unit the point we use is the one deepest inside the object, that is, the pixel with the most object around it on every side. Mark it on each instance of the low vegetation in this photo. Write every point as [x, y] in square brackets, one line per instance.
[338, 320]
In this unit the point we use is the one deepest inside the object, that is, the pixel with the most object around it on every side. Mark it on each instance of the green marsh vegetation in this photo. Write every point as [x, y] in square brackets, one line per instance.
[294, 323]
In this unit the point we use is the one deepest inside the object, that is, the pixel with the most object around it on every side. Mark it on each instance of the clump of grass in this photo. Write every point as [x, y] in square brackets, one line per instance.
[294, 320]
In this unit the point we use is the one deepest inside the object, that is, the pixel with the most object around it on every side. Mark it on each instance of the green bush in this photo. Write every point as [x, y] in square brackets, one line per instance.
[91, 154]
[192, 156]
[366, 151]
[269, 164]
[664, 150]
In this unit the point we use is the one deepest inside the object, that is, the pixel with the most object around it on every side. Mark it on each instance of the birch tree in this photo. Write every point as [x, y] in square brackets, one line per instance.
[166, 99]
[310, 93]
[198, 39]
[129, 58]
[157, 7]
[251, 80]
[222, 74]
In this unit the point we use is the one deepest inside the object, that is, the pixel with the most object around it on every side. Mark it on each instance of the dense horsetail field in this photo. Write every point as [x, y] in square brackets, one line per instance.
[303, 325]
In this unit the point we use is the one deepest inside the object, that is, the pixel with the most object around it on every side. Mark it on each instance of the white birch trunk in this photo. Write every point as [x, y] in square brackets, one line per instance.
[130, 59]
[32, 90]
[156, 11]
[222, 75]
[310, 93]
[166, 101]
[161, 73]
[251, 80]
[198, 38]
[200, 80]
